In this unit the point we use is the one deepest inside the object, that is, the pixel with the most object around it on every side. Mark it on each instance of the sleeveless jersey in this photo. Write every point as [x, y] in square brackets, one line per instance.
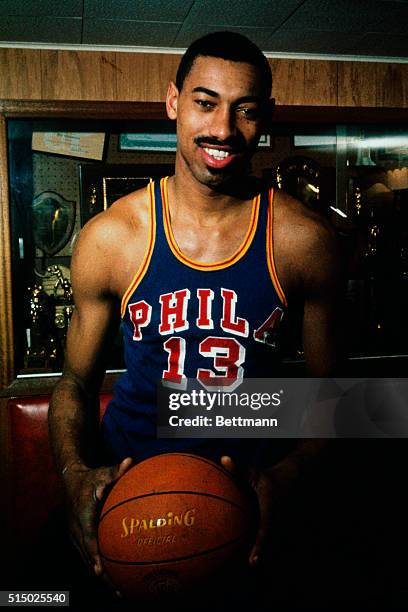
[186, 319]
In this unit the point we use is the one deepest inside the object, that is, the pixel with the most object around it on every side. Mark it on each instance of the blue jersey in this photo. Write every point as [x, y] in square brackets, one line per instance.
[187, 319]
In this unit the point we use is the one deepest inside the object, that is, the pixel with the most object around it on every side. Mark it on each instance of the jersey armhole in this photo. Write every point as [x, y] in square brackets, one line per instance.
[269, 251]
[148, 253]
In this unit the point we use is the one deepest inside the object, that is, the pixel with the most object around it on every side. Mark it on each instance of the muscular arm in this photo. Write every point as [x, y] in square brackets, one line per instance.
[74, 410]
[312, 271]
[322, 287]
[74, 405]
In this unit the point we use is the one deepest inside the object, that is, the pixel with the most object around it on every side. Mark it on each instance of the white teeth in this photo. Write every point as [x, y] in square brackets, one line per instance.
[216, 153]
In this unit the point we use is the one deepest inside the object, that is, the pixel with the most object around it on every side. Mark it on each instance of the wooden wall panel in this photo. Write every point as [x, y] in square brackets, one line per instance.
[6, 318]
[20, 74]
[145, 77]
[31, 74]
[392, 86]
[304, 82]
[320, 83]
[78, 75]
[288, 81]
[357, 83]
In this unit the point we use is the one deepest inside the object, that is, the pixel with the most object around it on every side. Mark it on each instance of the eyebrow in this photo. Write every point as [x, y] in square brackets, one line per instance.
[214, 94]
[209, 92]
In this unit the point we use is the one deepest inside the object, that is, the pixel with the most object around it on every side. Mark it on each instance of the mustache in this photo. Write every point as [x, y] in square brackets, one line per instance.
[235, 142]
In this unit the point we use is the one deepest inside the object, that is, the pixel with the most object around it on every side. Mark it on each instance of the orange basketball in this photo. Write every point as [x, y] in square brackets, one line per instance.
[173, 523]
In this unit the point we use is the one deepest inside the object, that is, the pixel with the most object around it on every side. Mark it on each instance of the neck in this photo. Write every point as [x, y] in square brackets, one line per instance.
[205, 202]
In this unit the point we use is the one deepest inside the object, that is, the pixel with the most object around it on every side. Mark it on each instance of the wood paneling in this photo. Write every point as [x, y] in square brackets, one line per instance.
[145, 77]
[6, 318]
[392, 86]
[30, 74]
[320, 83]
[357, 83]
[301, 82]
[20, 74]
[74, 109]
[78, 75]
[288, 81]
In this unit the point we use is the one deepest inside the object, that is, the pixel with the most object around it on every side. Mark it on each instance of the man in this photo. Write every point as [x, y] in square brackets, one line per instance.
[196, 264]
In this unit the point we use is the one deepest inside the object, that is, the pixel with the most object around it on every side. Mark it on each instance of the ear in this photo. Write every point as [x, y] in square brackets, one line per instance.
[171, 100]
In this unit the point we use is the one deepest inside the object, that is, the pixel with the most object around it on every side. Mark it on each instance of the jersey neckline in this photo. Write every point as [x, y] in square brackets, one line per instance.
[217, 265]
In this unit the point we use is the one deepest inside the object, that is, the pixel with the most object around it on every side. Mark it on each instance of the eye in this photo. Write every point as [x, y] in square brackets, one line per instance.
[205, 104]
[250, 113]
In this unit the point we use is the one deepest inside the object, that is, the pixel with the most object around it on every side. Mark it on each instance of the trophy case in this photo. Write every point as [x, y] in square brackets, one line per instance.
[61, 172]
[63, 163]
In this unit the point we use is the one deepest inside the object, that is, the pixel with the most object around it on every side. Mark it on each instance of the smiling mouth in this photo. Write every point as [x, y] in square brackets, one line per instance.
[217, 153]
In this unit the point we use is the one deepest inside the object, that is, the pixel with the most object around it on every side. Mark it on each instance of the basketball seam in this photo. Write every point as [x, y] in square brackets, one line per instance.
[221, 469]
[210, 463]
[199, 458]
[129, 499]
[177, 559]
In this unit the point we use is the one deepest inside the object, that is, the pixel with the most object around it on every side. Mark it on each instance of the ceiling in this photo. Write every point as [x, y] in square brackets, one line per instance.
[358, 28]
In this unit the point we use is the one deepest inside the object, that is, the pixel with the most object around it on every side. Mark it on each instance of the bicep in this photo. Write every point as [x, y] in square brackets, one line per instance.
[96, 312]
[321, 338]
[323, 306]
[90, 332]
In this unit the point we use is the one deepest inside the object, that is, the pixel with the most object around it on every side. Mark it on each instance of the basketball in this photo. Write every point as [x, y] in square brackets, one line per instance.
[173, 523]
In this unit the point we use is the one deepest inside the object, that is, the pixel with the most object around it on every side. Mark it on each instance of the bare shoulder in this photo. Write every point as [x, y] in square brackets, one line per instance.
[111, 243]
[122, 218]
[306, 248]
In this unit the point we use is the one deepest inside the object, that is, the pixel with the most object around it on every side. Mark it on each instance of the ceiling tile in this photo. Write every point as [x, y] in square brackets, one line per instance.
[132, 33]
[67, 8]
[312, 41]
[40, 29]
[359, 16]
[389, 45]
[263, 13]
[142, 10]
[189, 33]
[282, 41]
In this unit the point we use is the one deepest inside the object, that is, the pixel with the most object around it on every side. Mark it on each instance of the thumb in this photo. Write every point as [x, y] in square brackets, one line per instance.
[122, 468]
[228, 464]
[115, 473]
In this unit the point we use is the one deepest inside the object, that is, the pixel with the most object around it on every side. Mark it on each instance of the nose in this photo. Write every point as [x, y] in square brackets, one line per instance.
[222, 123]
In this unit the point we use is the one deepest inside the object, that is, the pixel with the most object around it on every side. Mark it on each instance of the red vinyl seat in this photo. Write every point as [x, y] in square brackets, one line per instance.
[34, 484]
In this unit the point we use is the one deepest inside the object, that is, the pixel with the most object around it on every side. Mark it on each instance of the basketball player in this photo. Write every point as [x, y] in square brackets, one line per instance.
[194, 264]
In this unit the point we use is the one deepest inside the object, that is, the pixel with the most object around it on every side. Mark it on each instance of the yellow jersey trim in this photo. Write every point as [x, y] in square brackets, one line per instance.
[218, 265]
[148, 254]
[269, 251]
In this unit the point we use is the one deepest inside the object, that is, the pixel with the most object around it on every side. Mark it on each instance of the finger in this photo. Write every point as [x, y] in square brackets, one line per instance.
[124, 466]
[104, 576]
[80, 550]
[256, 552]
[228, 464]
[98, 567]
[114, 475]
[89, 522]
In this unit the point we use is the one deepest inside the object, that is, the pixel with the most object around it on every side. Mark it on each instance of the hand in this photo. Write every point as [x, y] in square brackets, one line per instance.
[269, 493]
[85, 489]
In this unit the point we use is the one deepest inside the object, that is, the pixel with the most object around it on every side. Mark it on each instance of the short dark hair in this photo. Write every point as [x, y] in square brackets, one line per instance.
[228, 46]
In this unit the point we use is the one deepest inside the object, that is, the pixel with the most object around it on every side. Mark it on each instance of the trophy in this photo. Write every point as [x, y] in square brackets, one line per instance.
[50, 309]
[37, 355]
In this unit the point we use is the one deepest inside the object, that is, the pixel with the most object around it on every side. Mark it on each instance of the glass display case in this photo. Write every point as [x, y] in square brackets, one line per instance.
[61, 174]
[63, 171]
